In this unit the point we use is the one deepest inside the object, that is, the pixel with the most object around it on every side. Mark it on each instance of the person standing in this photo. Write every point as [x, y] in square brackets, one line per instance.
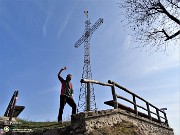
[66, 95]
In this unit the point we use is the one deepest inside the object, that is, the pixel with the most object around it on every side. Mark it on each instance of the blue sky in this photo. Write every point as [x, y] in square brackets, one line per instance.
[37, 38]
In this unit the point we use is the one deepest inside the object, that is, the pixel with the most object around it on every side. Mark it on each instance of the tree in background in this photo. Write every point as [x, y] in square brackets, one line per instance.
[156, 23]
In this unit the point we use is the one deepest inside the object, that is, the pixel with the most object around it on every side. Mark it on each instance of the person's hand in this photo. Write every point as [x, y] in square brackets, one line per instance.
[64, 68]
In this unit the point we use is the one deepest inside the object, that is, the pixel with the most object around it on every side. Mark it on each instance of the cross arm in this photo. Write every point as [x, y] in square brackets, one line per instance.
[96, 25]
[80, 41]
[91, 31]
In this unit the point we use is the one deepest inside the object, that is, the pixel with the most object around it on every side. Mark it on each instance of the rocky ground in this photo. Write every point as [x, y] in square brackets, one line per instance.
[123, 128]
[65, 128]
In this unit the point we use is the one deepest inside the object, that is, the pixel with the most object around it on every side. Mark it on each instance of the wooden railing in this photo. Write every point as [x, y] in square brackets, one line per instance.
[160, 119]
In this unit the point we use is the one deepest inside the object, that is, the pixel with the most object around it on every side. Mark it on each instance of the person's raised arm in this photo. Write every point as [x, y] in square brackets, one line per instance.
[59, 74]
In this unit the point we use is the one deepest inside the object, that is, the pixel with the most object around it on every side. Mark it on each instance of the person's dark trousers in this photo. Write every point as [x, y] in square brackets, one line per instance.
[63, 101]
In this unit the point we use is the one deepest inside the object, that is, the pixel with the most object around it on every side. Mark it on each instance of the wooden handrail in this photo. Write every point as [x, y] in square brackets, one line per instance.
[123, 98]
[94, 81]
[128, 91]
[134, 96]
[135, 105]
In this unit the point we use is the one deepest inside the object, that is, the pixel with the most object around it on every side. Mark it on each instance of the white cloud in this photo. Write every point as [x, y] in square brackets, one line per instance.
[46, 23]
[128, 42]
[61, 28]
[49, 14]
[64, 25]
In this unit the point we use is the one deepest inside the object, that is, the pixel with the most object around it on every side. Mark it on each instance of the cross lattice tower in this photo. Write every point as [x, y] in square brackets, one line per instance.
[87, 97]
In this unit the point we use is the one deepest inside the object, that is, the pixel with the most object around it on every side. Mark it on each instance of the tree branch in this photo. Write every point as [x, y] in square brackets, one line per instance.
[168, 14]
[173, 3]
[165, 33]
[172, 36]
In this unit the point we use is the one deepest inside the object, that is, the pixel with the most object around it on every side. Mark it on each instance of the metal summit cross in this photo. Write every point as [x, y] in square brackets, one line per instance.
[87, 97]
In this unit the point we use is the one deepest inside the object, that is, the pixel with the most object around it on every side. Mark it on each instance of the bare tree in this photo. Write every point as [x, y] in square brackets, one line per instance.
[156, 23]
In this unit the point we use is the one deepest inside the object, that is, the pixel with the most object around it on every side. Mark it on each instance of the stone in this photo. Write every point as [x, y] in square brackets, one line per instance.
[108, 118]
[5, 120]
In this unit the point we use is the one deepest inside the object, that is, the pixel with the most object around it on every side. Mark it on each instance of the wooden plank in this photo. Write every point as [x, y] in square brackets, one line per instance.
[110, 103]
[131, 102]
[94, 81]
[142, 107]
[125, 99]
[18, 110]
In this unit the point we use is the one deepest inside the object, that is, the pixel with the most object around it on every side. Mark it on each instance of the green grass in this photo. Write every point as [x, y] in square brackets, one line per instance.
[36, 126]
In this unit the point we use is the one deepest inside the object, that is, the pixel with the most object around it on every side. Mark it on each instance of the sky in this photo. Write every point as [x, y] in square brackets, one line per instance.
[37, 39]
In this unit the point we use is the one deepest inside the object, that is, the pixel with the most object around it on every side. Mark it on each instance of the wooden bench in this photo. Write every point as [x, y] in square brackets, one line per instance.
[13, 110]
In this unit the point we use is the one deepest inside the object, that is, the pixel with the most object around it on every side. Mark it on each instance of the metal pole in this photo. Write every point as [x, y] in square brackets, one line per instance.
[88, 97]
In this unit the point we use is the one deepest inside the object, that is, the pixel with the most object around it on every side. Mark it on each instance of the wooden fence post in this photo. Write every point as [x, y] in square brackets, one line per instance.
[135, 106]
[149, 112]
[114, 97]
[166, 120]
[159, 119]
